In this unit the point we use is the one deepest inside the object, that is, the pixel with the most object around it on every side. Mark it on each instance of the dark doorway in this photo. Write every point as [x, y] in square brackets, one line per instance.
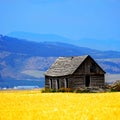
[87, 81]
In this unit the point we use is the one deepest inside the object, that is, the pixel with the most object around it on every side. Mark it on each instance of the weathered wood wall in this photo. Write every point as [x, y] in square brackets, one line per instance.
[97, 80]
[85, 68]
[75, 82]
[61, 81]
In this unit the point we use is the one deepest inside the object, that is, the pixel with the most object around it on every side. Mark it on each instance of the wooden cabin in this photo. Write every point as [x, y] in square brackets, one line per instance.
[74, 72]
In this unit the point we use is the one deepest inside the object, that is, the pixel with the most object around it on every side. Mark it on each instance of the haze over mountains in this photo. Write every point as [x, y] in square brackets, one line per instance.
[107, 44]
[23, 62]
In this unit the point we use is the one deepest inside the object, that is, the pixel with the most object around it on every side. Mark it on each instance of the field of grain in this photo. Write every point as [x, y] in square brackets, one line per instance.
[34, 105]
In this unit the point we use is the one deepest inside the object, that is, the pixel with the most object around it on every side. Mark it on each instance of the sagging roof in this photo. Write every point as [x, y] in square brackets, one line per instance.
[65, 65]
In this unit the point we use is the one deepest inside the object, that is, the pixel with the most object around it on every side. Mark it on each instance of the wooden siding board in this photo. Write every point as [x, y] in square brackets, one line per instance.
[97, 80]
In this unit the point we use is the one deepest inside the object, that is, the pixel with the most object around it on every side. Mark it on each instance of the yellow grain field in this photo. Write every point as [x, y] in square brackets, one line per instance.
[34, 105]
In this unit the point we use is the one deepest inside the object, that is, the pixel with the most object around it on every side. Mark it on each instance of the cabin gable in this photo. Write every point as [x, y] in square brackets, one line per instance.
[89, 66]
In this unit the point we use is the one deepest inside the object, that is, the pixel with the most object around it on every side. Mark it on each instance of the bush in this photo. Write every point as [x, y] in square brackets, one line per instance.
[107, 86]
[79, 90]
[115, 86]
[89, 90]
[42, 90]
[47, 90]
[82, 90]
[65, 90]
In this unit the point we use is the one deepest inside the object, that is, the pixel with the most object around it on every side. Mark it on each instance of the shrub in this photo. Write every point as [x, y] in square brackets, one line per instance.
[53, 90]
[42, 90]
[82, 90]
[65, 90]
[115, 86]
[47, 90]
[89, 90]
[61, 90]
[107, 86]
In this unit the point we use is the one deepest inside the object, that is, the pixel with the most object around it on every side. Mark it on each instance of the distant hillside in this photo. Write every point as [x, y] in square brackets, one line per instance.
[47, 49]
[84, 42]
[25, 60]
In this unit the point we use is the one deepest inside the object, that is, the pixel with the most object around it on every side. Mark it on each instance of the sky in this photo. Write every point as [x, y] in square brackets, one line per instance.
[75, 19]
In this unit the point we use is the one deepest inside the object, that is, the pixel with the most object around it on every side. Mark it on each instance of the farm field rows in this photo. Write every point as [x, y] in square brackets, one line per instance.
[34, 105]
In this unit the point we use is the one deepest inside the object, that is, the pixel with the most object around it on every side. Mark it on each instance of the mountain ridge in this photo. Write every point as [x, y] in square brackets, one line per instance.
[52, 48]
[82, 42]
[26, 60]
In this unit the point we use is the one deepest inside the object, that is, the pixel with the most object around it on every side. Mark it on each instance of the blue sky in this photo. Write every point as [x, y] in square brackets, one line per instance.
[75, 19]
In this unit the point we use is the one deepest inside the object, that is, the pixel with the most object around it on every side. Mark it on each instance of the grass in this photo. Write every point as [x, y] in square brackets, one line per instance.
[32, 104]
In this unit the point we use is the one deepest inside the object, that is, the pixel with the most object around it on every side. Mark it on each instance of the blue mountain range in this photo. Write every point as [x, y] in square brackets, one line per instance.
[98, 44]
[23, 62]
